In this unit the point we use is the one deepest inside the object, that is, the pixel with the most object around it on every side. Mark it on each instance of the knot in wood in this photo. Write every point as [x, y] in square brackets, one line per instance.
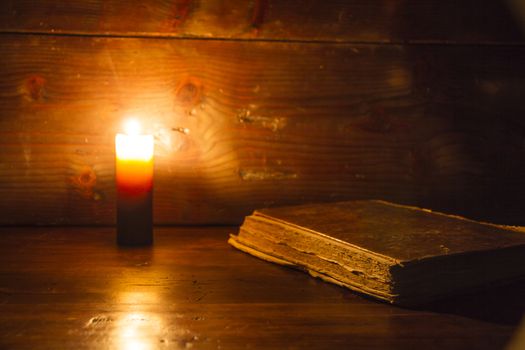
[34, 87]
[189, 91]
[84, 183]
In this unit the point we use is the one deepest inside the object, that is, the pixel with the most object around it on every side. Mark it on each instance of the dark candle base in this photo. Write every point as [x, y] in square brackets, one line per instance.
[135, 220]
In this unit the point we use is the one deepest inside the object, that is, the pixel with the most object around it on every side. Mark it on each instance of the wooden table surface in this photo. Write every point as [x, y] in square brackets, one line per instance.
[63, 288]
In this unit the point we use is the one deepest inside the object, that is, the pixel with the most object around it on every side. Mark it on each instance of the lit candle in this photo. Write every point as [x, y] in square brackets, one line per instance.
[134, 178]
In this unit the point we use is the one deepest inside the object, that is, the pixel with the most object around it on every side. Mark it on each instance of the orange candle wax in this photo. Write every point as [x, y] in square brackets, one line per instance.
[134, 180]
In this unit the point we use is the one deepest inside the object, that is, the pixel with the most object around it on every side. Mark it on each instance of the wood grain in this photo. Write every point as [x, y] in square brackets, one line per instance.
[468, 21]
[269, 124]
[74, 288]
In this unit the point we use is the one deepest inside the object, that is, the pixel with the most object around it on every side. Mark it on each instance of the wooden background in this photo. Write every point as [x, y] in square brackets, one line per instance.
[419, 102]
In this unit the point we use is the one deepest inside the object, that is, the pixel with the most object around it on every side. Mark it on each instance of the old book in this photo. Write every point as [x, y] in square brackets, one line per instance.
[400, 254]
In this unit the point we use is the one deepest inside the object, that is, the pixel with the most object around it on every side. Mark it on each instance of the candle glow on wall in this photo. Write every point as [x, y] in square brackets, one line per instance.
[134, 180]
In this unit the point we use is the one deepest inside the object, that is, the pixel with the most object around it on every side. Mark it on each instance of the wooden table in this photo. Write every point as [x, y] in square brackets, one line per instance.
[64, 288]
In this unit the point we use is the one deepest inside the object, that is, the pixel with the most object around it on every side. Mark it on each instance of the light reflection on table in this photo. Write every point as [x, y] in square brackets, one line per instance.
[138, 328]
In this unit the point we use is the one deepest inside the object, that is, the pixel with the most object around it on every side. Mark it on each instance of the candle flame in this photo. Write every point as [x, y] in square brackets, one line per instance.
[132, 127]
[133, 145]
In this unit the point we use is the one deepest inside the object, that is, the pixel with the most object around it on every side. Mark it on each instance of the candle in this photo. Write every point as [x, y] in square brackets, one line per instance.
[134, 180]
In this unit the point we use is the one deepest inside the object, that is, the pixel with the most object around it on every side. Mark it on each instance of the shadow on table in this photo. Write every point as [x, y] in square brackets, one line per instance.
[504, 304]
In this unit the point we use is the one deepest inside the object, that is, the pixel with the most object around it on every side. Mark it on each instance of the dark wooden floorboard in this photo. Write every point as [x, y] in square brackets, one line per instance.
[74, 288]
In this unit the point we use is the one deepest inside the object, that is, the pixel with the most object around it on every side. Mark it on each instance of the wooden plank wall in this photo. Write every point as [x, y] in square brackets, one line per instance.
[419, 102]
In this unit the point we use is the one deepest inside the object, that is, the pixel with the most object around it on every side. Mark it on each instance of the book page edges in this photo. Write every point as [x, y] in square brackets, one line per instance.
[233, 240]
